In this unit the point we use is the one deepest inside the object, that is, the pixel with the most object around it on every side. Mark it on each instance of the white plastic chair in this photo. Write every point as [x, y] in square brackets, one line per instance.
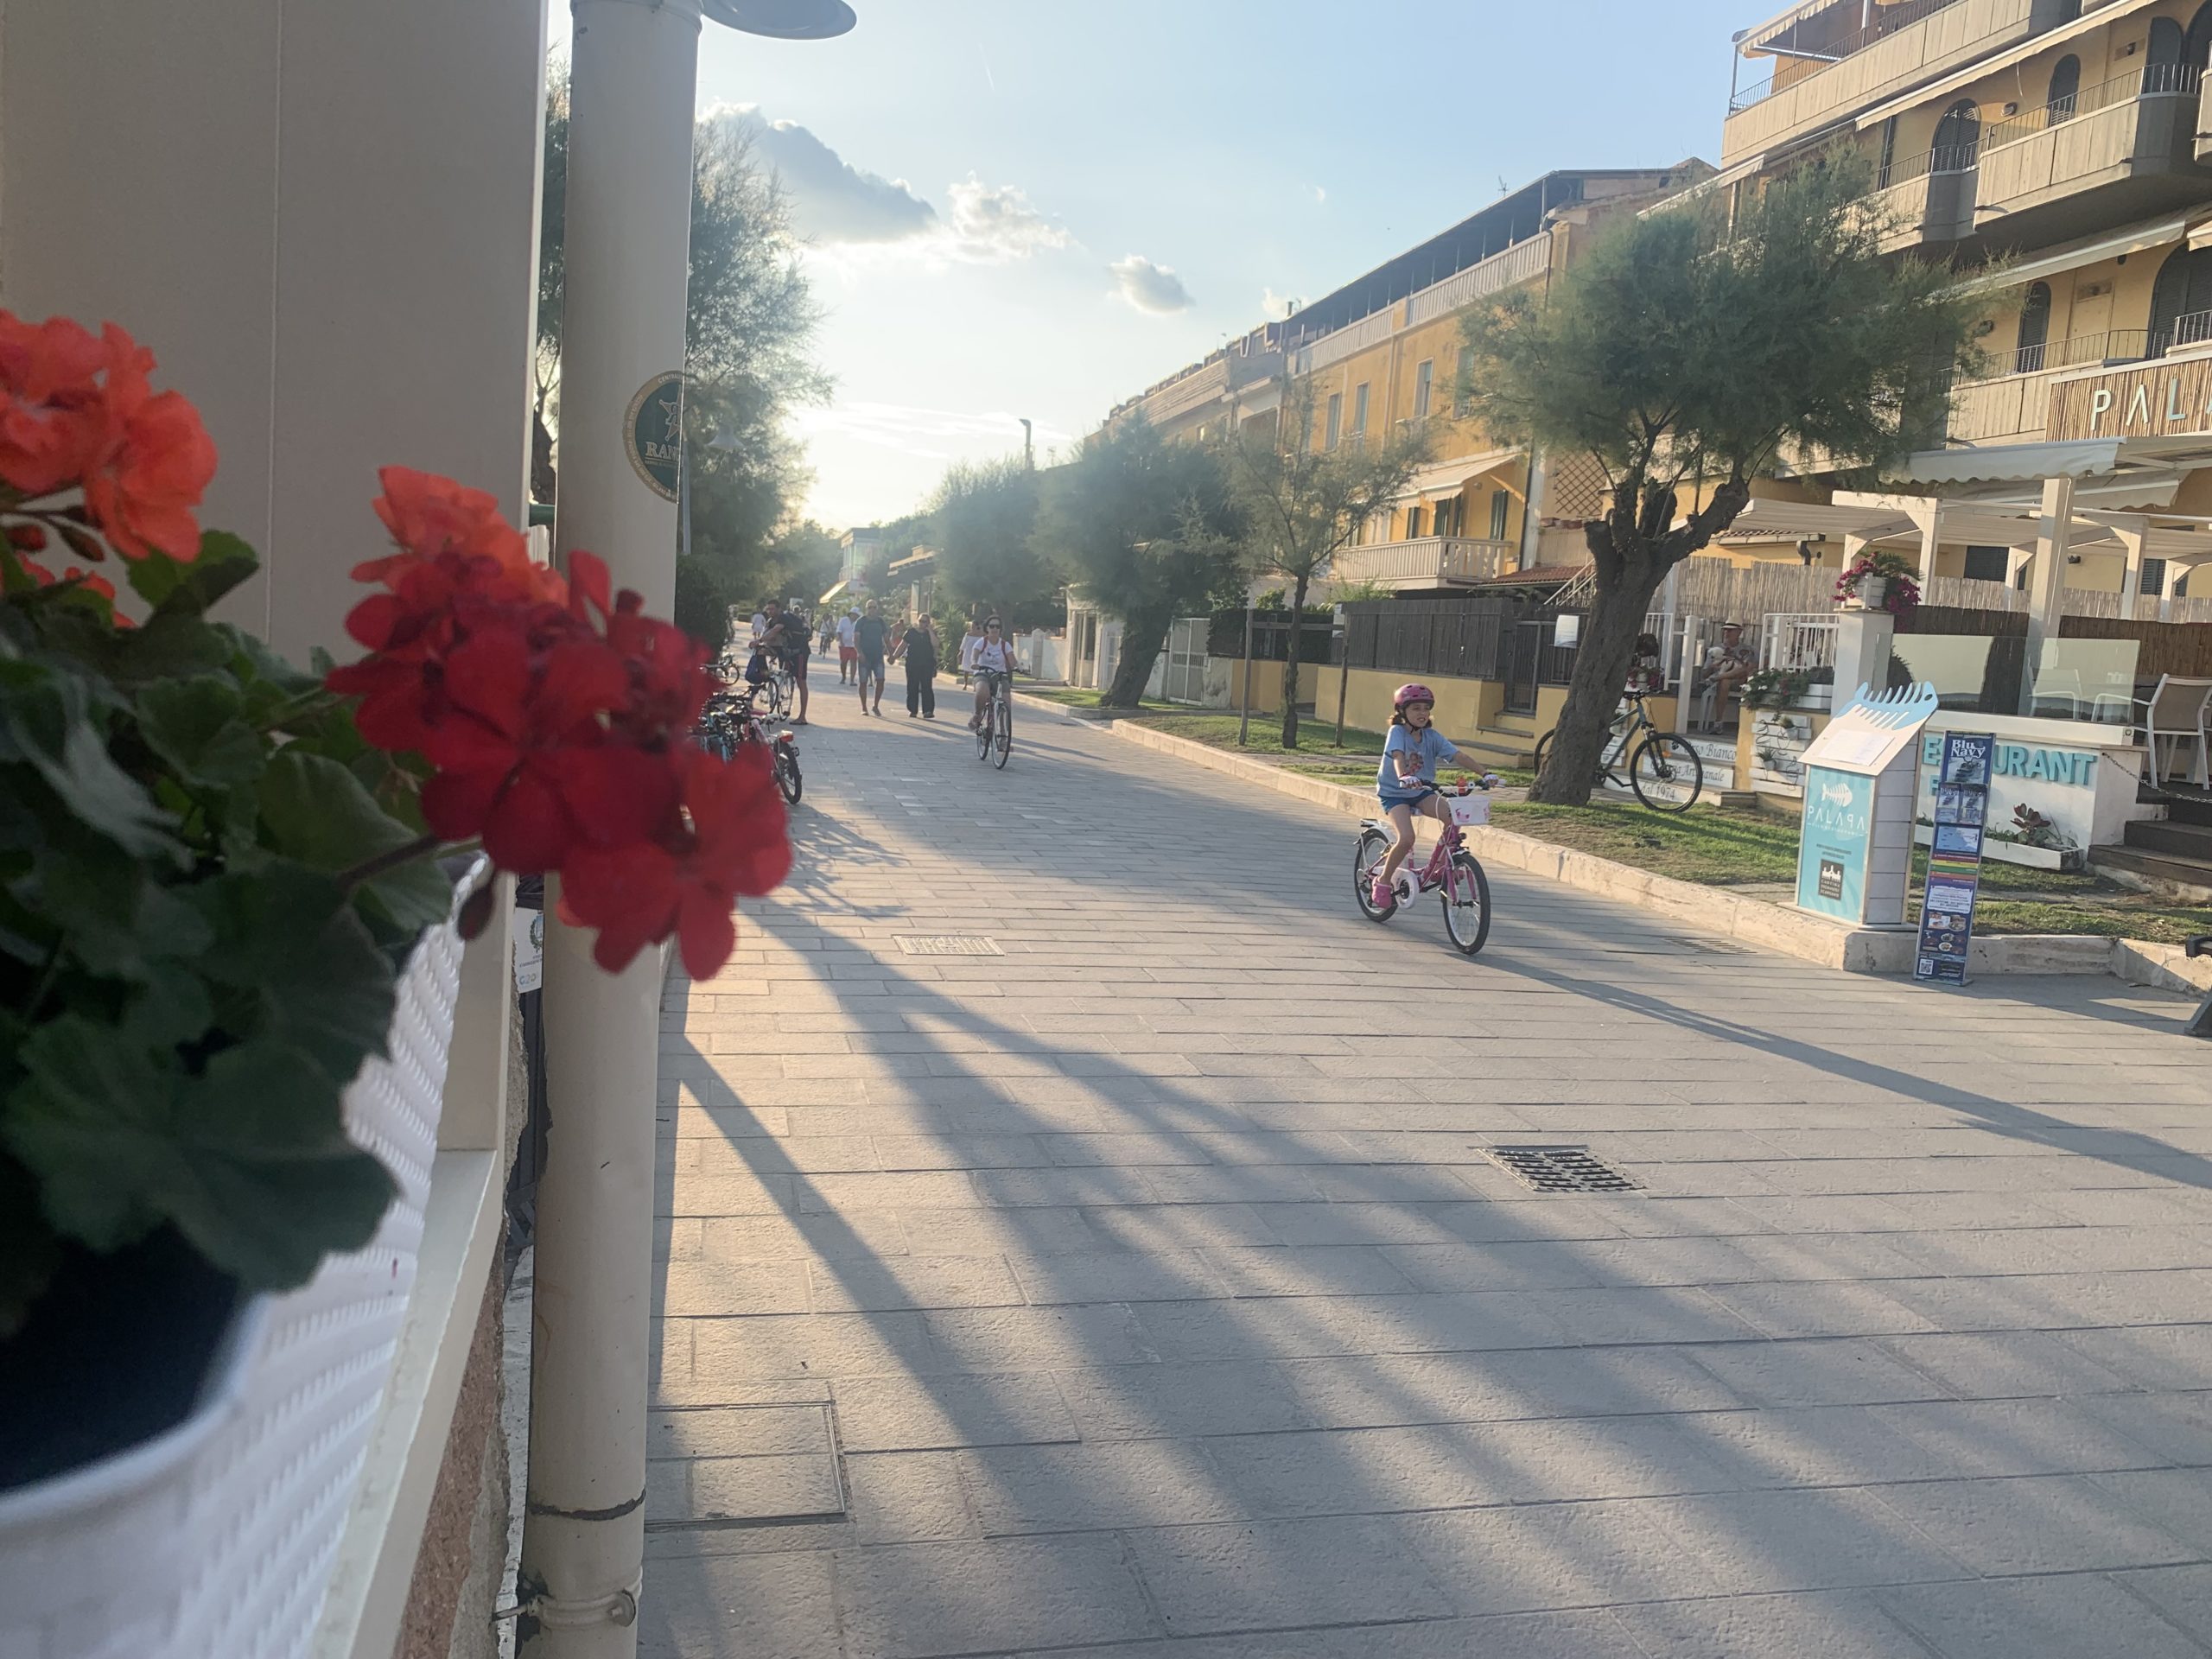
[2174, 714]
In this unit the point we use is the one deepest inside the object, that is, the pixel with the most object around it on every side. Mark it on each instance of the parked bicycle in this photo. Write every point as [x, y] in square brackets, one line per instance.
[729, 722]
[1452, 870]
[994, 729]
[1663, 770]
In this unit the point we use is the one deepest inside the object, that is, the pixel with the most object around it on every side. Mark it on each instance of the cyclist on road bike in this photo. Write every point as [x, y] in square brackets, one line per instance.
[990, 661]
[1405, 781]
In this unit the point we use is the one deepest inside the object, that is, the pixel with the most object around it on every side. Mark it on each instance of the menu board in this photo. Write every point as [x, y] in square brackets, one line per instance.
[1954, 858]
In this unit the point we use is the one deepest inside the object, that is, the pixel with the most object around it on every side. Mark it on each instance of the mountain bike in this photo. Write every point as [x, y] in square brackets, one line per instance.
[1451, 867]
[995, 730]
[1663, 770]
[729, 722]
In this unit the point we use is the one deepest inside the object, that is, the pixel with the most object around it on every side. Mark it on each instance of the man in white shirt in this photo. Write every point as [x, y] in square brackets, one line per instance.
[989, 657]
[848, 655]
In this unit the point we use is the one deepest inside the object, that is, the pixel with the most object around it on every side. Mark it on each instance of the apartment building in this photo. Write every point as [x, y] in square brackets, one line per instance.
[2066, 142]
[1382, 352]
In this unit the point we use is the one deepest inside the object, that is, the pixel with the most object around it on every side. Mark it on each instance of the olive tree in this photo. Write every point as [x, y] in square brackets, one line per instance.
[1689, 350]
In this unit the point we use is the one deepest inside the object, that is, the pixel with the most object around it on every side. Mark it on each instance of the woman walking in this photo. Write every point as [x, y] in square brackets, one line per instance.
[920, 649]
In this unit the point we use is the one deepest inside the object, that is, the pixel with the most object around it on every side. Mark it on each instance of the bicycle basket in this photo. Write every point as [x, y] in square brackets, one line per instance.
[1469, 809]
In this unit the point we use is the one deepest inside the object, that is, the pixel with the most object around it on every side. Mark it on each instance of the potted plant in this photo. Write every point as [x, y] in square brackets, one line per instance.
[219, 877]
[1878, 581]
[1775, 688]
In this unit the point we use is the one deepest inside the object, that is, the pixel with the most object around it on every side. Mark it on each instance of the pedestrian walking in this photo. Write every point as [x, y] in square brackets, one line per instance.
[871, 636]
[968, 644]
[847, 655]
[919, 649]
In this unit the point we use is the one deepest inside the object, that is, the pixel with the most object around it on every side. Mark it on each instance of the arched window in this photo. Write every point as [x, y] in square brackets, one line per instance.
[2035, 329]
[2197, 45]
[2180, 300]
[1957, 135]
[2065, 85]
[2166, 42]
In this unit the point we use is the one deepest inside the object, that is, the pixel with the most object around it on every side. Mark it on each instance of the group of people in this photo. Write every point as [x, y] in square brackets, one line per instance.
[866, 646]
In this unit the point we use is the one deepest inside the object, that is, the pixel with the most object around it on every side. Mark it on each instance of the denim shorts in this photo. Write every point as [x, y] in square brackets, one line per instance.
[1389, 800]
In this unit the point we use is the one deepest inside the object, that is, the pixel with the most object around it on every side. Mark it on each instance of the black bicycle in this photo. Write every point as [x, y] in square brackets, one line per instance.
[994, 729]
[729, 722]
[1663, 769]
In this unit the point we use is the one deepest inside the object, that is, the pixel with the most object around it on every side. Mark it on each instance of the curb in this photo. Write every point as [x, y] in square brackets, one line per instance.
[1715, 910]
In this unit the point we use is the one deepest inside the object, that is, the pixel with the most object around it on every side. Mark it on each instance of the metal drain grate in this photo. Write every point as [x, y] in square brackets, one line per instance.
[1560, 1169]
[948, 944]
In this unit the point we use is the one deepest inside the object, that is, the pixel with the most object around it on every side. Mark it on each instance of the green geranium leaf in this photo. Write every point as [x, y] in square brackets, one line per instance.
[317, 812]
[288, 933]
[29, 1253]
[249, 1160]
[172, 645]
[194, 725]
[163, 583]
[171, 1008]
[49, 727]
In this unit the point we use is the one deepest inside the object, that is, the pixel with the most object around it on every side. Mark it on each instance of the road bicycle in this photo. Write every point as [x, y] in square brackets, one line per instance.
[994, 729]
[1663, 769]
[1451, 869]
[729, 722]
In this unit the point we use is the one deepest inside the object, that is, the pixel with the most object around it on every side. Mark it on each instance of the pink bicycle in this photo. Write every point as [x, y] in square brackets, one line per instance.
[1451, 869]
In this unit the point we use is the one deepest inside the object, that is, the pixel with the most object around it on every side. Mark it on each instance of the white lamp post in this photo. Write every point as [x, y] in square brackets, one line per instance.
[633, 88]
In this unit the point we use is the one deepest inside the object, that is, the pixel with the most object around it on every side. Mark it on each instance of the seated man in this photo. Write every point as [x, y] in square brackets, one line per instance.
[1726, 667]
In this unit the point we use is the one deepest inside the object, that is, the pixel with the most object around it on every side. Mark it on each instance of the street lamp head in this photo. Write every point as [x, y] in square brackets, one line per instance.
[783, 20]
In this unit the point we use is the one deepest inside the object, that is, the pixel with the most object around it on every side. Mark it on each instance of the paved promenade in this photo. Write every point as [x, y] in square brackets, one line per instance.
[1145, 1291]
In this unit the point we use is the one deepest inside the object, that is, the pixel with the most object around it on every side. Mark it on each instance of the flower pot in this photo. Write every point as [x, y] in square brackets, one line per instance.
[217, 1535]
[1872, 591]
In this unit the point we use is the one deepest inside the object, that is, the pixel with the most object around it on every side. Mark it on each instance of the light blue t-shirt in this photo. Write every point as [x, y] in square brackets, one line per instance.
[1431, 746]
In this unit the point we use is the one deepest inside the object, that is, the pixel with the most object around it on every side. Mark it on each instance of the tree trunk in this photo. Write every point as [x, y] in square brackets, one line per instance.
[542, 482]
[1290, 662]
[1593, 695]
[1144, 636]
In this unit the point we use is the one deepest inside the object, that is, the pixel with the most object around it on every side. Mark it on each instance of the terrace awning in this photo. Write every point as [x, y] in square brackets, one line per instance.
[1448, 477]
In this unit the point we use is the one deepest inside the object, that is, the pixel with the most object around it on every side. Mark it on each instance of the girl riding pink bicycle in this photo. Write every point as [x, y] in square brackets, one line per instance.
[1405, 781]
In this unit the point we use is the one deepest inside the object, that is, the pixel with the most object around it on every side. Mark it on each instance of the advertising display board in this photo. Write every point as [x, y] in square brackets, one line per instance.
[1962, 810]
[1854, 851]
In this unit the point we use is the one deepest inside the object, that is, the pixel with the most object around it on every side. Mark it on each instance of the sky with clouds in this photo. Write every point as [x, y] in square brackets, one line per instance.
[1033, 208]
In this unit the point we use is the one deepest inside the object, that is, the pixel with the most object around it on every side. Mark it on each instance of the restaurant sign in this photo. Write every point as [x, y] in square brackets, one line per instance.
[2163, 397]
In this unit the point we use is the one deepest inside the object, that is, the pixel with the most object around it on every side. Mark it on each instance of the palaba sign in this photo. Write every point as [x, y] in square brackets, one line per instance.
[2165, 397]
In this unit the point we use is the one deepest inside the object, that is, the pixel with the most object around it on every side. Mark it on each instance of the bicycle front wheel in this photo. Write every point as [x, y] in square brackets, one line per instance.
[1666, 772]
[1002, 743]
[1466, 904]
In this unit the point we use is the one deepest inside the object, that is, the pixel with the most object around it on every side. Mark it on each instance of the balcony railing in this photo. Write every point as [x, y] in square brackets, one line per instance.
[1523, 260]
[1805, 41]
[2106, 345]
[2151, 80]
[2193, 328]
[1424, 561]
[1942, 158]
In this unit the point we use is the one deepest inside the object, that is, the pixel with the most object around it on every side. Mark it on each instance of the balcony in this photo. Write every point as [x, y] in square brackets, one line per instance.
[1860, 60]
[2138, 129]
[2013, 406]
[1928, 199]
[1424, 561]
[1502, 270]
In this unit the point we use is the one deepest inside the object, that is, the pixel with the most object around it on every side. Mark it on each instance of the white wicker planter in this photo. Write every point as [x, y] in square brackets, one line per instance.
[215, 1540]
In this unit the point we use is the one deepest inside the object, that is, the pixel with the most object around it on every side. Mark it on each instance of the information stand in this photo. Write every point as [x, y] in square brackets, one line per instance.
[1855, 852]
[1955, 857]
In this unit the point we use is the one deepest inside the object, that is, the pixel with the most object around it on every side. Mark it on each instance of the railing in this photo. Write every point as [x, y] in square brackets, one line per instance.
[1503, 269]
[1797, 644]
[2150, 81]
[1434, 560]
[1370, 330]
[1201, 387]
[2193, 328]
[1887, 21]
[2108, 346]
[1944, 158]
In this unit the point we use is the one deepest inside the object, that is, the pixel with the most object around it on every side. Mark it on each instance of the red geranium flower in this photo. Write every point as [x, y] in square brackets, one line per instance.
[153, 461]
[48, 401]
[736, 843]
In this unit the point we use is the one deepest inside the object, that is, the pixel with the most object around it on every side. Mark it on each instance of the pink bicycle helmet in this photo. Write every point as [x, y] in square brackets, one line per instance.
[1412, 692]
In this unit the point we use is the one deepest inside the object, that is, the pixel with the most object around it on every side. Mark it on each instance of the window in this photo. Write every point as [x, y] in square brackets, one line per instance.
[1958, 135]
[1989, 563]
[1889, 151]
[1336, 419]
[2166, 44]
[1424, 373]
[1451, 516]
[2181, 300]
[2154, 578]
[1413, 524]
[1359, 407]
[1501, 503]
[2035, 329]
[1460, 380]
[2065, 82]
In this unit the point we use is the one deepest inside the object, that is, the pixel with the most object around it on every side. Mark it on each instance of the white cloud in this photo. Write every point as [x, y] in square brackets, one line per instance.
[1148, 287]
[1276, 306]
[832, 200]
[1320, 193]
[993, 223]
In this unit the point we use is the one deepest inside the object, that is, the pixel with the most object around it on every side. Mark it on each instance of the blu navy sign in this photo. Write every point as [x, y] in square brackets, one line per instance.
[2043, 800]
[654, 431]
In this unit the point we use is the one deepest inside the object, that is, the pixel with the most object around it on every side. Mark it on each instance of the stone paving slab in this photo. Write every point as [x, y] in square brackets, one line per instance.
[1148, 1289]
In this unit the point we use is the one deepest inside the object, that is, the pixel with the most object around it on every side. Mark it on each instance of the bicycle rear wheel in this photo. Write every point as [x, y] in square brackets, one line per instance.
[1002, 721]
[1666, 772]
[1367, 855]
[1466, 904]
[787, 778]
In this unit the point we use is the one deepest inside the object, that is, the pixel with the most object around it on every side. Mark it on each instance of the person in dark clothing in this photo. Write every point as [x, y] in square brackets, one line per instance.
[871, 635]
[919, 649]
